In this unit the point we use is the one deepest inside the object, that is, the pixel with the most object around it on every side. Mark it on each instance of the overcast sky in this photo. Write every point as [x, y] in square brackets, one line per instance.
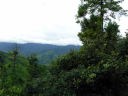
[42, 21]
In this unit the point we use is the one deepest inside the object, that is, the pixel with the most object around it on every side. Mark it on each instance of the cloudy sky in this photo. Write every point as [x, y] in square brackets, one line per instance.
[42, 21]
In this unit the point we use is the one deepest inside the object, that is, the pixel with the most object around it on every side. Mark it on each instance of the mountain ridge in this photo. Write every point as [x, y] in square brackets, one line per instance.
[45, 52]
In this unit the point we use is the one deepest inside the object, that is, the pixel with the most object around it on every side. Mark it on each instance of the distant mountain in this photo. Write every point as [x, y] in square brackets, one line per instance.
[45, 52]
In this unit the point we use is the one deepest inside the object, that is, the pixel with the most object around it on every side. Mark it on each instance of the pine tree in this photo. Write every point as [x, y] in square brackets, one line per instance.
[95, 16]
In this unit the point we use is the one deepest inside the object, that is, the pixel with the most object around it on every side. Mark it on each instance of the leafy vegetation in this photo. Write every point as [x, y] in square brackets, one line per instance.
[99, 68]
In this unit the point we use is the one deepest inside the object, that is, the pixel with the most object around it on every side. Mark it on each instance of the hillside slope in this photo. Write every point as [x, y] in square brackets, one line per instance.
[45, 52]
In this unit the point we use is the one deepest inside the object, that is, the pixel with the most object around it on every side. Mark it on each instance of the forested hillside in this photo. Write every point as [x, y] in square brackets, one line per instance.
[98, 68]
[44, 52]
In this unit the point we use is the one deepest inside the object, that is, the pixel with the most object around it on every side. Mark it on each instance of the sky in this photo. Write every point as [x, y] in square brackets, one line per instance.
[43, 21]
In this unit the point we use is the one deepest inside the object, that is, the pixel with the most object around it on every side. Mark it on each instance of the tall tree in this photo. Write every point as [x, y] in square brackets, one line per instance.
[34, 79]
[95, 69]
[94, 16]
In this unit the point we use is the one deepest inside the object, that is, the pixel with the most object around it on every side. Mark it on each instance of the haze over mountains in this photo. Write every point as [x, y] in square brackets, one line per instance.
[45, 52]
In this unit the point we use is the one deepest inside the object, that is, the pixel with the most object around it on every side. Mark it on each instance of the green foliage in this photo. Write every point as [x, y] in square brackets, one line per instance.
[99, 68]
[13, 81]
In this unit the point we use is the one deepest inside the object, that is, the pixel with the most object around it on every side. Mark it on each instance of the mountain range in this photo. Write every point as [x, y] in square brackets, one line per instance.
[45, 52]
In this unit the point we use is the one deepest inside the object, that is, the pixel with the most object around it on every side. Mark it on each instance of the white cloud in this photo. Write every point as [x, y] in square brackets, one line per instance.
[124, 19]
[43, 21]
[39, 21]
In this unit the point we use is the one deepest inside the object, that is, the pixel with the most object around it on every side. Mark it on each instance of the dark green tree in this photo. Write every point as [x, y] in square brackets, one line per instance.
[33, 87]
[94, 17]
[95, 70]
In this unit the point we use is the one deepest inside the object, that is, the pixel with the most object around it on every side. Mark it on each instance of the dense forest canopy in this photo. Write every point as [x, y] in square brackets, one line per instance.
[98, 68]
